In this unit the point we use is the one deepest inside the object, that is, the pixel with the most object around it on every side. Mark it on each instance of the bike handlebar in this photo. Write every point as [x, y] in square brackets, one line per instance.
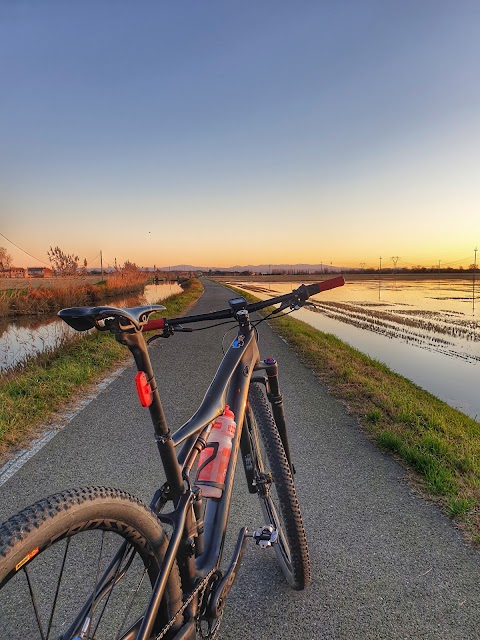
[296, 296]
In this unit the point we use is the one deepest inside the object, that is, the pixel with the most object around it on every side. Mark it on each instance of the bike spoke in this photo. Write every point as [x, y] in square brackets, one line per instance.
[34, 603]
[123, 565]
[57, 591]
[130, 605]
[119, 574]
[113, 583]
[94, 594]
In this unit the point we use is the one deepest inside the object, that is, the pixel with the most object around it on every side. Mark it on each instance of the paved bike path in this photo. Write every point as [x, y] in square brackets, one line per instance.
[386, 564]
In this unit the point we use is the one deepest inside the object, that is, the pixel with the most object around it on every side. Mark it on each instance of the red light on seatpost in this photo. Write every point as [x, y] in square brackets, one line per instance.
[144, 389]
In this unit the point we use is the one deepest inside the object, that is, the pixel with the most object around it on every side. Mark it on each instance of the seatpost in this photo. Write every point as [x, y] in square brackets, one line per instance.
[136, 344]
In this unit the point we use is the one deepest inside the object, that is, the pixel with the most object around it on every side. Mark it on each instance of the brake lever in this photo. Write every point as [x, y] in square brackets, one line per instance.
[283, 306]
[169, 331]
[294, 305]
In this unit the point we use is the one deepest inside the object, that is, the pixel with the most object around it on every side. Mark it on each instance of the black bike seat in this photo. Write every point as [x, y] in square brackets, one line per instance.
[84, 318]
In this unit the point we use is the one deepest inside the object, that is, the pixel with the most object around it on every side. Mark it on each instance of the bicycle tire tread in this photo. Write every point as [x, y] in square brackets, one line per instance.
[19, 526]
[301, 574]
[72, 511]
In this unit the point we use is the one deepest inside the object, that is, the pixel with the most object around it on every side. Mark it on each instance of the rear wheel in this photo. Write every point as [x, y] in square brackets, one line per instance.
[82, 561]
[275, 488]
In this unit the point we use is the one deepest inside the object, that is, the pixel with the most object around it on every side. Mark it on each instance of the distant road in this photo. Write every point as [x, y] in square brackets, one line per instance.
[386, 564]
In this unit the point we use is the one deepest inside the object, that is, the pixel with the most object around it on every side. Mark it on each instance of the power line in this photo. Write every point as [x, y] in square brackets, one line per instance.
[92, 261]
[433, 261]
[23, 250]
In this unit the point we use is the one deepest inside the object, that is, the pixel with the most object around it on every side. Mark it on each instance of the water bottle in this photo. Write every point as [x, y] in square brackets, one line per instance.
[213, 461]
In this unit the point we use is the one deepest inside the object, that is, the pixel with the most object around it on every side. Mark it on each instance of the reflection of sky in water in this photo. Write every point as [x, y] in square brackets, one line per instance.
[23, 337]
[428, 331]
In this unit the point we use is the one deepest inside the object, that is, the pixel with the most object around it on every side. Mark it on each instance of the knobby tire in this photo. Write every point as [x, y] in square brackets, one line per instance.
[276, 489]
[47, 563]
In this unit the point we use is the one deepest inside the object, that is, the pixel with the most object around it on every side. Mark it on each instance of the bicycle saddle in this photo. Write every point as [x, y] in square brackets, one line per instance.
[84, 318]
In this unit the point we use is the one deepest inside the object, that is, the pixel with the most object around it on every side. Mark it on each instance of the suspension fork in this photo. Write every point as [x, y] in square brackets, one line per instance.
[270, 366]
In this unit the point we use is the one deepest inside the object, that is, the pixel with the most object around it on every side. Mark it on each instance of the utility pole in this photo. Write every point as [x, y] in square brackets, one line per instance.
[380, 278]
[474, 273]
[395, 259]
[101, 263]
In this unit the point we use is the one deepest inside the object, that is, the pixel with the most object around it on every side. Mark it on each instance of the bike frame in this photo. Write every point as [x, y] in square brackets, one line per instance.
[229, 386]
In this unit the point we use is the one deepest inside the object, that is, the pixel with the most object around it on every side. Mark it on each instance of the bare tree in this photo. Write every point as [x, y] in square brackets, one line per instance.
[5, 259]
[66, 264]
[130, 267]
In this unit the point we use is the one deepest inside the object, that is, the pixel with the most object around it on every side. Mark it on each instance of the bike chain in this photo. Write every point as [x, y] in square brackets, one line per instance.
[213, 632]
[202, 585]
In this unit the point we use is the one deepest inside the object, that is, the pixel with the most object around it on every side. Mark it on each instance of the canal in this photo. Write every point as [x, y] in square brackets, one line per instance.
[428, 330]
[26, 336]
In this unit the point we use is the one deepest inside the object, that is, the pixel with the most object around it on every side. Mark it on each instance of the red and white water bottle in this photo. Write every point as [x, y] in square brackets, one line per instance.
[213, 461]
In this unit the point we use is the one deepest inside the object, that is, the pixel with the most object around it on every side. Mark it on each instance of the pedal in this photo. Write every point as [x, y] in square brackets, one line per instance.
[265, 478]
[265, 536]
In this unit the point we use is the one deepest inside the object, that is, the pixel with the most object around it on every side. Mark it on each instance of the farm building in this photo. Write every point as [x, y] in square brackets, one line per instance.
[40, 272]
[14, 272]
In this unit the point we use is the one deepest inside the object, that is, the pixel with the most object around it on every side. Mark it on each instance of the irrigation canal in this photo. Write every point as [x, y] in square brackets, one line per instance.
[26, 336]
[428, 330]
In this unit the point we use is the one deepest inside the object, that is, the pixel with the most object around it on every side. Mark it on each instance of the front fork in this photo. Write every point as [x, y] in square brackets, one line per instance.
[270, 366]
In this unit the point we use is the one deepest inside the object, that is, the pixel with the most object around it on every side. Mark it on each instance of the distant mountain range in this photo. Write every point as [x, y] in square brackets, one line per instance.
[257, 268]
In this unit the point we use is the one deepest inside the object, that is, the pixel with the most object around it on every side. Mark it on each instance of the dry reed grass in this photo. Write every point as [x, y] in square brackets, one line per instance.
[42, 296]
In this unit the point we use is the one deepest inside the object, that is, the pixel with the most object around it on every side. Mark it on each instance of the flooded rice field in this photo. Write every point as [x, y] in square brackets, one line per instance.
[427, 330]
[23, 337]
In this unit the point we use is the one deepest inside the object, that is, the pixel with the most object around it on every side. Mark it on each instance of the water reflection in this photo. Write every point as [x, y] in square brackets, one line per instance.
[425, 329]
[26, 336]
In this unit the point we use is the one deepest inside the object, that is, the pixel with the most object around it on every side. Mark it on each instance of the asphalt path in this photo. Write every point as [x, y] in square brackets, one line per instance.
[385, 562]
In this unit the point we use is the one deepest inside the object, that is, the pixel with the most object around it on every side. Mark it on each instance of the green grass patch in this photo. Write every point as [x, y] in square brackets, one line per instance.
[438, 442]
[31, 394]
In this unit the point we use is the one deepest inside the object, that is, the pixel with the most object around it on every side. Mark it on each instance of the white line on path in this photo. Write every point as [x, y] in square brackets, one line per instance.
[17, 462]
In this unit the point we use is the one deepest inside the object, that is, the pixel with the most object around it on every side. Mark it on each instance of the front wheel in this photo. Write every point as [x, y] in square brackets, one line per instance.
[82, 564]
[275, 488]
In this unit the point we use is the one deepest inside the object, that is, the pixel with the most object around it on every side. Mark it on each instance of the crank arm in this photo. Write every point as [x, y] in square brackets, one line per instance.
[217, 599]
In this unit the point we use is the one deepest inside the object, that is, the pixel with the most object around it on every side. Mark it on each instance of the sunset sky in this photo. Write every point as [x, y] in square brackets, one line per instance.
[221, 133]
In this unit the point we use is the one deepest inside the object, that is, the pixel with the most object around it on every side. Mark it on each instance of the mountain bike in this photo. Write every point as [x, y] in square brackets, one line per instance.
[96, 562]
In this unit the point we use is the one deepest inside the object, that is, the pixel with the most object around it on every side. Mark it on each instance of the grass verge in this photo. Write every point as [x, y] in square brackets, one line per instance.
[32, 394]
[441, 444]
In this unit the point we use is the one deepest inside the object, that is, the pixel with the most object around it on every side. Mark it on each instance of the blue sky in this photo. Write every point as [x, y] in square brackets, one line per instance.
[234, 133]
